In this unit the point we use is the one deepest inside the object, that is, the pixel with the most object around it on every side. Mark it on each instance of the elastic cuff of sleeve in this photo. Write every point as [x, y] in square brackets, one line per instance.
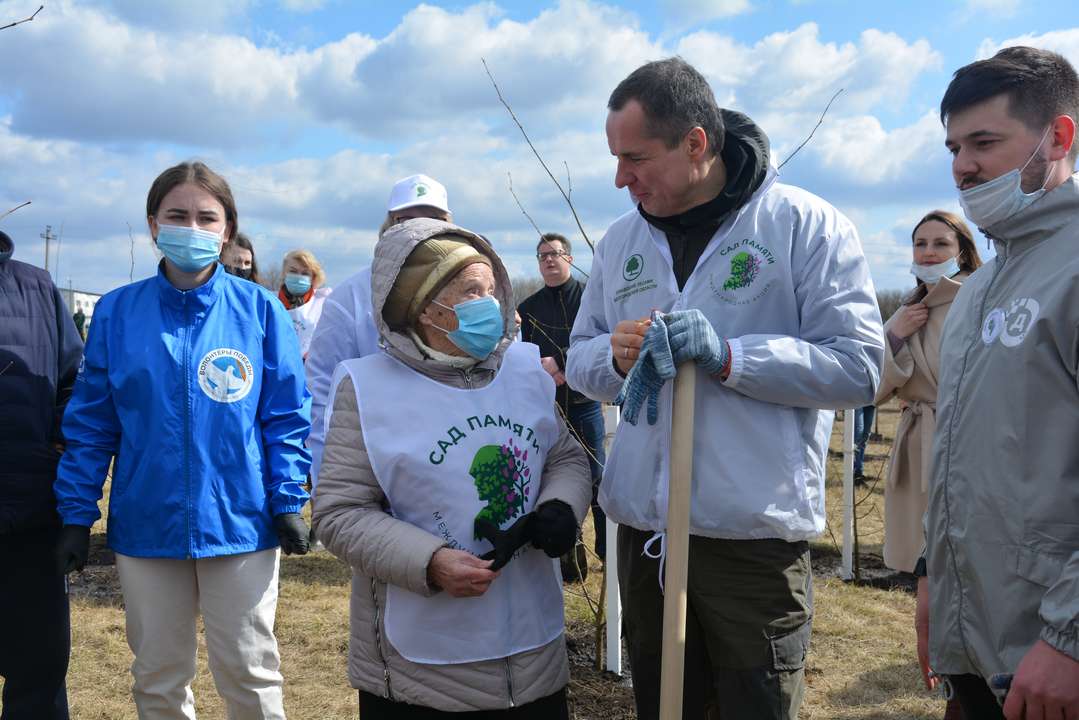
[1066, 641]
[289, 507]
[737, 363]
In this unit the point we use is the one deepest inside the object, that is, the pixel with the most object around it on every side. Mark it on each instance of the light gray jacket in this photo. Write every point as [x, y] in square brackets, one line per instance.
[1003, 517]
[351, 517]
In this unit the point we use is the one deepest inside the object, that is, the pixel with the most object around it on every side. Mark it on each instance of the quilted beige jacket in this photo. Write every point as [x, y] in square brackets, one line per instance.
[351, 518]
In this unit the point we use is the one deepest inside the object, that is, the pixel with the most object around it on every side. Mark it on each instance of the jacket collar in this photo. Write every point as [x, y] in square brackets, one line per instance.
[1040, 220]
[197, 299]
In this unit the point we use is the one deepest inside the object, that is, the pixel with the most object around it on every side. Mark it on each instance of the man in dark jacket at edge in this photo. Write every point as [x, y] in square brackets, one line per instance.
[40, 351]
[546, 319]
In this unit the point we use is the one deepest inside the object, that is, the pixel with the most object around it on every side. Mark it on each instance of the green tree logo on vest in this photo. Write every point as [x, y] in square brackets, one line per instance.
[745, 266]
[633, 268]
[502, 481]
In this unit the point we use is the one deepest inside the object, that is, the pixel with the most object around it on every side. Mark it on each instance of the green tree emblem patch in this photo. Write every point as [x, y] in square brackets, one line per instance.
[745, 266]
[421, 190]
[502, 480]
[633, 268]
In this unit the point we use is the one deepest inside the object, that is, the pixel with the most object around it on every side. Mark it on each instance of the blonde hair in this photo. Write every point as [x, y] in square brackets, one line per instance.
[307, 259]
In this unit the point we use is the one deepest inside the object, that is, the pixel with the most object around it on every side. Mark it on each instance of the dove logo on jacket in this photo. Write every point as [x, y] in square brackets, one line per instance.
[225, 375]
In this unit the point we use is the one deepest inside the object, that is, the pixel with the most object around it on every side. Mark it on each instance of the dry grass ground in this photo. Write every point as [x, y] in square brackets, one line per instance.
[861, 664]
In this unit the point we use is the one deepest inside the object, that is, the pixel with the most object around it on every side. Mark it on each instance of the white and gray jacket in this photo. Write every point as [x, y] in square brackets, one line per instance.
[785, 282]
[1003, 517]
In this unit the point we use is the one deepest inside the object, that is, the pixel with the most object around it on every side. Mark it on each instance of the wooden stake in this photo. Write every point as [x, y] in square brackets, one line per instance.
[676, 576]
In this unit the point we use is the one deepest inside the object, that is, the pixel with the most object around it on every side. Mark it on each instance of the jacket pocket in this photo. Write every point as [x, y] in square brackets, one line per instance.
[1039, 568]
[789, 651]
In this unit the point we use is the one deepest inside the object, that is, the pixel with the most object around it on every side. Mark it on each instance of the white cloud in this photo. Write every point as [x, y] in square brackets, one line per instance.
[687, 13]
[795, 70]
[1065, 42]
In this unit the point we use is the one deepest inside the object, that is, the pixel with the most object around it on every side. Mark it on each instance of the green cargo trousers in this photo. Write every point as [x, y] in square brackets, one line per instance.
[750, 606]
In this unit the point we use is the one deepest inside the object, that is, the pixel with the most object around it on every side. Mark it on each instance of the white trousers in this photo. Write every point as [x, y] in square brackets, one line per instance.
[237, 596]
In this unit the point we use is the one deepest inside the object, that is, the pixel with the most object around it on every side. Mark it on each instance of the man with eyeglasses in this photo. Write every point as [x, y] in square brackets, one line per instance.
[346, 329]
[546, 320]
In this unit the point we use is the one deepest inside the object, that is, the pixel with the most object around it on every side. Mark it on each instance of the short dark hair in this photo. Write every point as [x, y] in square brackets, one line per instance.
[199, 174]
[1040, 86]
[675, 98]
[555, 237]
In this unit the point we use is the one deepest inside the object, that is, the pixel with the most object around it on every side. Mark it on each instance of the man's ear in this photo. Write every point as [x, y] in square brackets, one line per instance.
[696, 142]
[1062, 137]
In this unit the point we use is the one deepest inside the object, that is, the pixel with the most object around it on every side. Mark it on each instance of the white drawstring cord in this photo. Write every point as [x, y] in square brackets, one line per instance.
[661, 536]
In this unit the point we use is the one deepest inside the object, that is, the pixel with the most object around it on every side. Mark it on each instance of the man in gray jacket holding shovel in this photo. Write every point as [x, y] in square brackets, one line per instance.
[766, 289]
[1001, 596]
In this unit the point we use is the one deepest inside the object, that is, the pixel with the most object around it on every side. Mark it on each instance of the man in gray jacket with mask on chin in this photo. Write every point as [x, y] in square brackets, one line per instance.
[1000, 600]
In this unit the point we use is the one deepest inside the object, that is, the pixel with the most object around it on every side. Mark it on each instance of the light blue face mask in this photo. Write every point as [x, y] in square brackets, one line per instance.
[995, 201]
[479, 326]
[297, 284]
[188, 248]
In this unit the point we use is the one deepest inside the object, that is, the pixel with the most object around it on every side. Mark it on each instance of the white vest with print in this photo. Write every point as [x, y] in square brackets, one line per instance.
[443, 456]
[305, 318]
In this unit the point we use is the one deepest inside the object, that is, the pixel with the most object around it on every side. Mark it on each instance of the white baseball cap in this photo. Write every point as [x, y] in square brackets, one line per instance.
[418, 190]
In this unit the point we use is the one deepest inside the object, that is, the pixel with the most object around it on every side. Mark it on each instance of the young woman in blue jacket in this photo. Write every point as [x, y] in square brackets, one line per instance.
[192, 388]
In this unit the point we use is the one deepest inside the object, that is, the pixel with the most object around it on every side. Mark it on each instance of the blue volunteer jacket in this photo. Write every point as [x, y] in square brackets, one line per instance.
[199, 395]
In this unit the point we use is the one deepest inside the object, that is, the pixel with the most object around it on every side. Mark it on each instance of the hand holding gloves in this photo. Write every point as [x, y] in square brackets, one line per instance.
[655, 366]
[691, 337]
[552, 528]
[507, 541]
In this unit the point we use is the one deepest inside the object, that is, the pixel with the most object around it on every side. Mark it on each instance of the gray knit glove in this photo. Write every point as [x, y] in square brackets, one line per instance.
[691, 337]
[654, 366]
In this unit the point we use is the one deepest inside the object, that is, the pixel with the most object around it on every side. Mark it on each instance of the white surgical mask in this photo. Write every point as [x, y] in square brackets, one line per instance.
[931, 274]
[1000, 198]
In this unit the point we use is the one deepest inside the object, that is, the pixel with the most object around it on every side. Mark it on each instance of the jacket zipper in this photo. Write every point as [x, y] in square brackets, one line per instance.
[509, 682]
[467, 373]
[951, 427]
[187, 423]
[378, 640]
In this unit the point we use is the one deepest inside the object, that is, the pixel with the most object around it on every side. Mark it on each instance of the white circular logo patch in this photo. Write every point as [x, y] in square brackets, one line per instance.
[226, 375]
[1021, 316]
[993, 325]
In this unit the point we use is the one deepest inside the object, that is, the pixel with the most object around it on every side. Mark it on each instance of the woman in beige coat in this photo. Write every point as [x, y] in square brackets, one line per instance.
[944, 255]
[444, 469]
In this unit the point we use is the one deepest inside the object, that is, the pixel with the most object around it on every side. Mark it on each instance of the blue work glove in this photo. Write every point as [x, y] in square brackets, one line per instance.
[692, 338]
[654, 366]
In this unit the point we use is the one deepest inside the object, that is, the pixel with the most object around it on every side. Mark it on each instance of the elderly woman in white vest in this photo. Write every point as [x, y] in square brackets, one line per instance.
[449, 484]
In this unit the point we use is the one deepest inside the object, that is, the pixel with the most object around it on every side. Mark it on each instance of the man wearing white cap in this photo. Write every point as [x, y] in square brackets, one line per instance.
[346, 329]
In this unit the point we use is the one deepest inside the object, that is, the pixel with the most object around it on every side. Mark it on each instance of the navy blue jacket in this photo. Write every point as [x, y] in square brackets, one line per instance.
[197, 400]
[39, 356]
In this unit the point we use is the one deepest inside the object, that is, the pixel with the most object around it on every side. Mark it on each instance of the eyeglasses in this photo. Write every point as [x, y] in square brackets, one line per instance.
[549, 255]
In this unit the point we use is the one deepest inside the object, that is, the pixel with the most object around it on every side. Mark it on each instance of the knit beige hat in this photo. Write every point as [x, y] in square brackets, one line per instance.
[428, 268]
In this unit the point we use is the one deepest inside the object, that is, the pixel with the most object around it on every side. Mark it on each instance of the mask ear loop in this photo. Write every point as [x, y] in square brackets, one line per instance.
[1033, 155]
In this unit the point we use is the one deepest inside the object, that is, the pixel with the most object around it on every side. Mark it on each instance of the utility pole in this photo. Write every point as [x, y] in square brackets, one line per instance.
[47, 237]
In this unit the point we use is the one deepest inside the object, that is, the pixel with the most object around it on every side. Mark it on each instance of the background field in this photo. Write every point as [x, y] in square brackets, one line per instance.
[861, 664]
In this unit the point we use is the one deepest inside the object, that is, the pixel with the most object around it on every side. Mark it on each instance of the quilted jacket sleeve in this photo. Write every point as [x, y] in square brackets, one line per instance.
[349, 510]
[567, 476]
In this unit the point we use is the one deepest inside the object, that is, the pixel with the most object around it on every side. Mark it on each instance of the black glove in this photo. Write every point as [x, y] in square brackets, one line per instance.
[554, 528]
[292, 532]
[506, 541]
[72, 548]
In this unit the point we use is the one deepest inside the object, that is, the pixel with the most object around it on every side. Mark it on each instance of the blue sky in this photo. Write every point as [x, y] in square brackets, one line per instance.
[312, 109]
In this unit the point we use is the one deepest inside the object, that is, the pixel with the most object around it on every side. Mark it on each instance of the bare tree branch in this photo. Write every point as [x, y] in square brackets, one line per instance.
[14, 209]
[810, 137]
[535, 152]
[533, 222]
[24, 20]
